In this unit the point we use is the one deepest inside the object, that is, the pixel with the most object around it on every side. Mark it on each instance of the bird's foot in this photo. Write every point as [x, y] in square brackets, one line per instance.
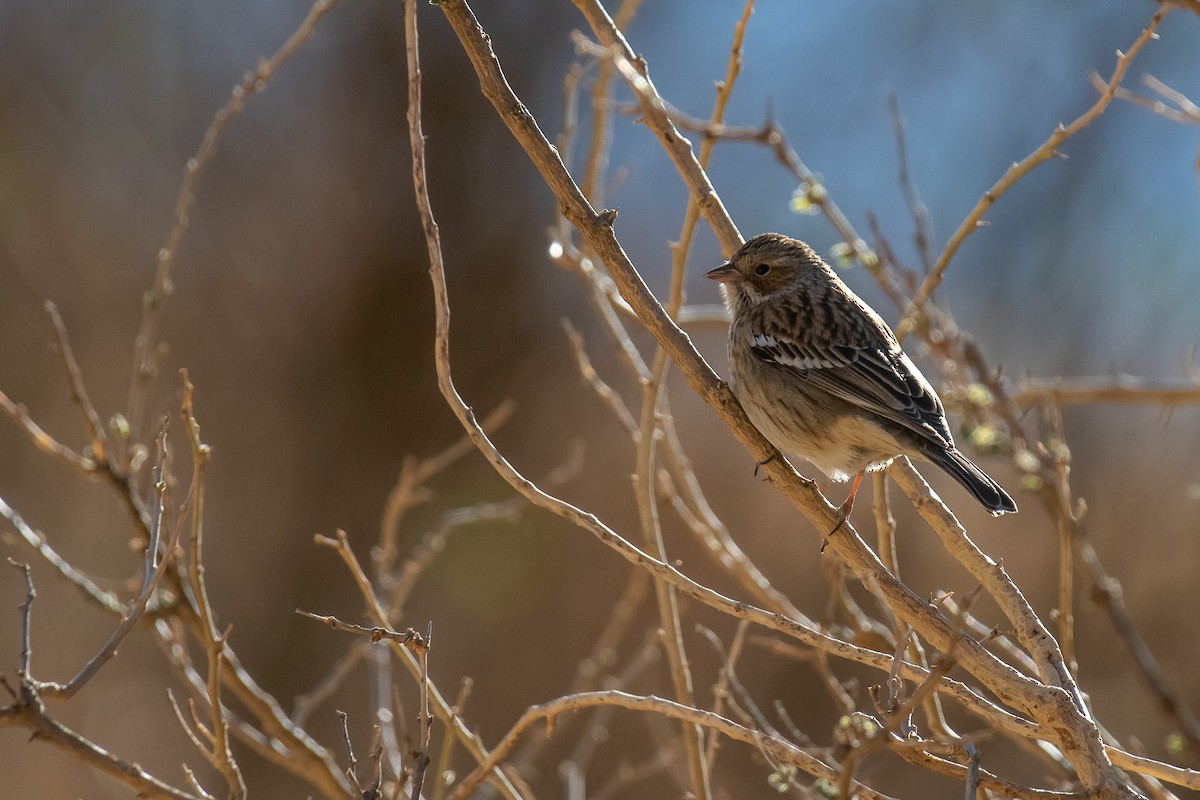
[843, 512]
[842, 515]
[760, 464]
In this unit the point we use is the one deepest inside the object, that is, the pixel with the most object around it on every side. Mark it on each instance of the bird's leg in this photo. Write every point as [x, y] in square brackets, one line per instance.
[845, 508]
[760, 464]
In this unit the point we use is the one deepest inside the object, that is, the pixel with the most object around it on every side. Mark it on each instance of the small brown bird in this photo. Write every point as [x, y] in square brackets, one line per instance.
[823, 377]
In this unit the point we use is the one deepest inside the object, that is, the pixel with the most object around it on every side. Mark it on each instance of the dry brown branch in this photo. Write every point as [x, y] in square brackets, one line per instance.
[155, 569]
[678, 482]
[636, 73]
[97, 438]
[214, 643]
[281, 740]
[306, 703]
[410, 661]
[76, 577]
[1090, 391]
[443, 764]
[410, 488]
[1046, 151]
[426, 720]
[1105, 590]
[1031, 632]
[48, 729]
[145, 351]
[915, 753]
[914, 605]
[668, 607]
[409, 638]
[598, 143]
[1182, 110]
[654, 409]
[592, 732]
[721, 689]
[780, 749]
[1188, 778]
[29, 711]
[811, 195]
[129, 621]
[42, 440]
[1022, 687]
[1066, 520]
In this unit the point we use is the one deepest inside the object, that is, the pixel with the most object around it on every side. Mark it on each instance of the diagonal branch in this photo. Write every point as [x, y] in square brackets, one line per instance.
[1047, 150]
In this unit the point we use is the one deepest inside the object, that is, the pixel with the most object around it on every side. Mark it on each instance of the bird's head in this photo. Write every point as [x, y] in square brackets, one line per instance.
[767, 264]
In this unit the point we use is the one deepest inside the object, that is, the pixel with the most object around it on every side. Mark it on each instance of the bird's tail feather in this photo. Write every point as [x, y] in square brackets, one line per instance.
[989, 493]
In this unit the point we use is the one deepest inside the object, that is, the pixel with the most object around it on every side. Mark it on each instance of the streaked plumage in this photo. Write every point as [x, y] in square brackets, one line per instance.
[823, 377]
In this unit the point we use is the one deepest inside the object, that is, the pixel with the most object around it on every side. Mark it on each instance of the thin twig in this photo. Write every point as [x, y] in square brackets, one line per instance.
[1047, 150]
[410, 490]
[253, 82]
[777, 747]
[1125, 389]
[221, 754]
[97, 437]
[426, 720]
[106, 600]
[409, 638]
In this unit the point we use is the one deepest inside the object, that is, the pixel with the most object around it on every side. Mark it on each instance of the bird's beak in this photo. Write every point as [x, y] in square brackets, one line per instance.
[726, 273]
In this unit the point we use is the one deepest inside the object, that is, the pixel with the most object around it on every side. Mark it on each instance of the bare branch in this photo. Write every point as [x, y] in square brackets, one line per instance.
[1045, 152]
[778, 748]
[253, 82]
[409, 638]
[1125, 389]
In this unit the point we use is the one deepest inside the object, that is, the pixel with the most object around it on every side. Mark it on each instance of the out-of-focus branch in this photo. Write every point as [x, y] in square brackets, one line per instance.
[635, 72]
[1047, 150]
[220, 754]
[410, 490]
[654, 408]
[811, 194]
[29, 711]
[48, 729]
[106, 600]
[1183, 110]
[779, 748]
[598, 144]
[1105, 592]
[1125, 389]
[146, 349]
[1105, 589]
[409, 659]
[1031, 632]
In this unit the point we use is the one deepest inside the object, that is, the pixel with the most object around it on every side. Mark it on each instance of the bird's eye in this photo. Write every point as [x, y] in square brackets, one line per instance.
[762, 269]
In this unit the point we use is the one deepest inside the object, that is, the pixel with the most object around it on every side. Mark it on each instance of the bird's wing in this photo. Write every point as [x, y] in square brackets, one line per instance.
[860, 365]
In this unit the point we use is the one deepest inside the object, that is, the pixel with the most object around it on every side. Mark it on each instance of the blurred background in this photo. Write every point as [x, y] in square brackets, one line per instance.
[303, 313]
